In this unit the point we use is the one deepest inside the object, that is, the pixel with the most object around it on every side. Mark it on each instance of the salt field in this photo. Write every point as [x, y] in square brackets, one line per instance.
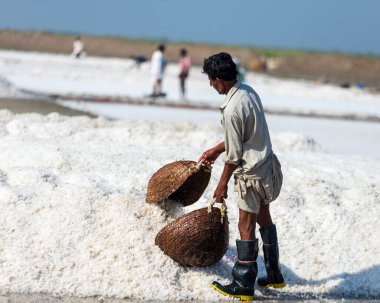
[74, 221]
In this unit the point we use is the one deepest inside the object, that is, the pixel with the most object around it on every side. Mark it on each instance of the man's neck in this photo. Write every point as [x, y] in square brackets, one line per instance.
[229, 85]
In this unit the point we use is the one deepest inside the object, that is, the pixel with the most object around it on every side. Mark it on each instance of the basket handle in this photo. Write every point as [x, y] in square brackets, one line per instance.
[199, 164]
[223, 208]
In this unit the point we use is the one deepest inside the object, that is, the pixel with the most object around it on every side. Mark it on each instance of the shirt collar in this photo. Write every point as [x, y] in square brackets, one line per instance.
[229, 95]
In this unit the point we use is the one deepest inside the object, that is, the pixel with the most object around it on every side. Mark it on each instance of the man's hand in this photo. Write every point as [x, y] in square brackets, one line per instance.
[210, 155]
[220, 193]
[222, 188]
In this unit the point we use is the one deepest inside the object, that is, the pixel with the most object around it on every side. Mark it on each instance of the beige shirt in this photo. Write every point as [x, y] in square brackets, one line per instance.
[247, 139]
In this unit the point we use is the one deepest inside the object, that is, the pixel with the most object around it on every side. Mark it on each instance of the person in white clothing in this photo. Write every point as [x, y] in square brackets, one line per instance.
[78, 48]
[158, 63]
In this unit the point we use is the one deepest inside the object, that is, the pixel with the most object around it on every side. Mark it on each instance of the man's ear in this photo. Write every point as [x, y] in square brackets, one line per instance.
[221, 81]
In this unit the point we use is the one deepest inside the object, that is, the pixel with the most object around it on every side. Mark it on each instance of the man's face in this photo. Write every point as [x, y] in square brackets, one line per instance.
[218, 85]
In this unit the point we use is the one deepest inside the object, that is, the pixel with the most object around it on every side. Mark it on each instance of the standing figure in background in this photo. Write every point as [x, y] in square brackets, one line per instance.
[184, 67]
[257, 173]
[240, 70]
[138, 60]
[158, 64]
[78, 48]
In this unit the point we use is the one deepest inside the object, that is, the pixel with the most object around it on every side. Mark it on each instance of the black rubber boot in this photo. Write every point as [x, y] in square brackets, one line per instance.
[244, 272]
[274, 276]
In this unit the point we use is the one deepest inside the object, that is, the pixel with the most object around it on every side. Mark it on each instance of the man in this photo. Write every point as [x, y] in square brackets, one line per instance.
[257, 174]
[78, 48]
[158, 64]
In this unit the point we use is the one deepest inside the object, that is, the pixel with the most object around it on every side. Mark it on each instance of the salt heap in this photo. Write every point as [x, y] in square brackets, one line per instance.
[74, 222]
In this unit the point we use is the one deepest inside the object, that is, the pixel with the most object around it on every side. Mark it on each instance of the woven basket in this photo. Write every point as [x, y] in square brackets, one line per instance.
[182, 181]
[199, 238]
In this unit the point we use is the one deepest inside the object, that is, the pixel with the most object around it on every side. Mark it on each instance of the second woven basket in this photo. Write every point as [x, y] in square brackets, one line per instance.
[199, 238]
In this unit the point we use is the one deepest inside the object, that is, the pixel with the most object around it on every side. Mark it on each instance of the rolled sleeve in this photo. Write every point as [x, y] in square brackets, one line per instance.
[233, 132]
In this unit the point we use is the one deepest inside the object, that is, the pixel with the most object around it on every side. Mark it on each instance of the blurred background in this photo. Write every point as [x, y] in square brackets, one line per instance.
[306, 60]
[287, 36]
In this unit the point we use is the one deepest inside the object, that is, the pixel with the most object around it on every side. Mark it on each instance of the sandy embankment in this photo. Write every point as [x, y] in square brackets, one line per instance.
[336, 68]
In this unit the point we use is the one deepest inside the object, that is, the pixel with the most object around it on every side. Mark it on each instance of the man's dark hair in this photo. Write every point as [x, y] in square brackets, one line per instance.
[220, 66]
[161, 47]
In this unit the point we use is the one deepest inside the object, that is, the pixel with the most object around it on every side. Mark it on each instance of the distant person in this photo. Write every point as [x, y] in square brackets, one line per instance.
[360, 85]
[257, 173]
[240, 70]
[158, 64]
[78, 48]
[345, 84]
[138, 60]
[184, 68]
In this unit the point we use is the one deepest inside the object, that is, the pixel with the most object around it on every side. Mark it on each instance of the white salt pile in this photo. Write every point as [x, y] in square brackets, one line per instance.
[74, 222]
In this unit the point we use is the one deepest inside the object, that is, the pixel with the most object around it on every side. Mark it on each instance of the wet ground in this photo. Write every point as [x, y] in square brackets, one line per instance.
[38, 106]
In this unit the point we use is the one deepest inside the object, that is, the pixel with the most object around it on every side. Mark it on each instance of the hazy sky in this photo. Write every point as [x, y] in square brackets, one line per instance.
[330, 25]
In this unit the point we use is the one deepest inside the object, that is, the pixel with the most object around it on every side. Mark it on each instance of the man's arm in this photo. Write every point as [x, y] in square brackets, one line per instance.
[221, 191]
[233, 146]
[210, 155]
